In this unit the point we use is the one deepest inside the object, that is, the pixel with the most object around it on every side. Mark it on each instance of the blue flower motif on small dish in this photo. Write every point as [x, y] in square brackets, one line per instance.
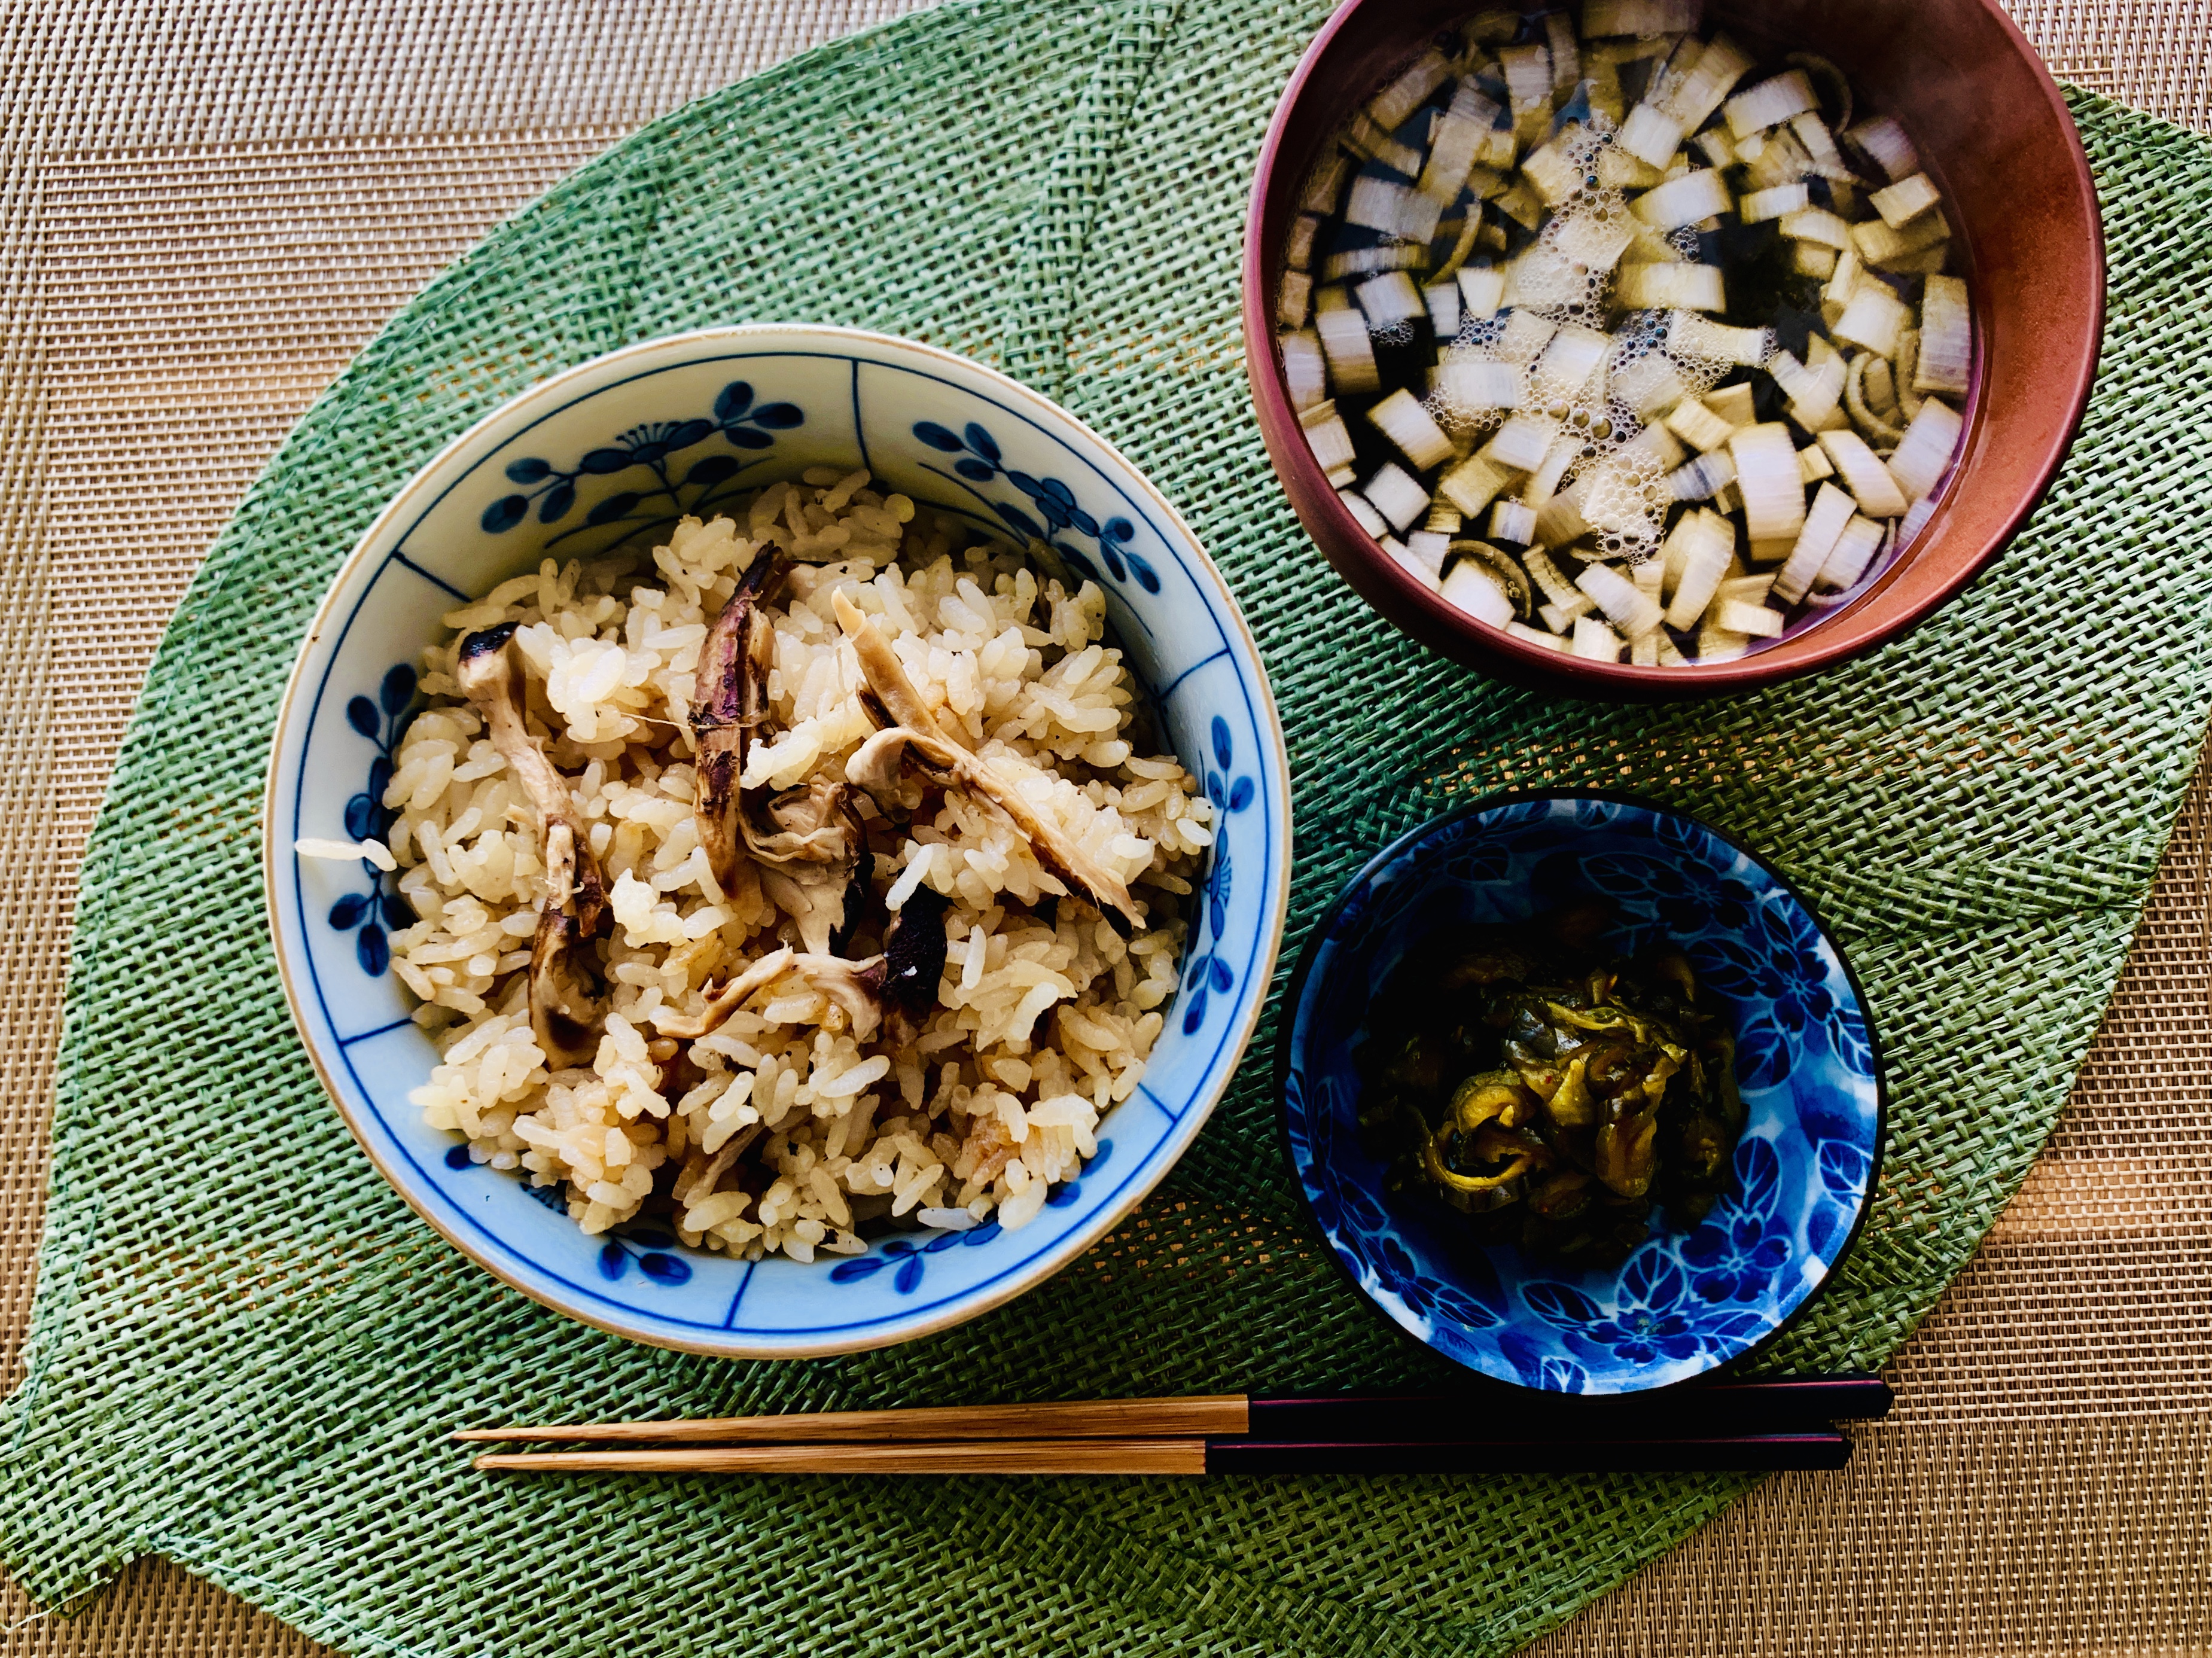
[1776, 966]
[1689, 1298]
[1685, 896]
[980, 460]
[1647, 1323]
[1845, 1170]
[662, 496]
[373, 915]
[1656, 1316]
[1389, 1269]
[1561, 1376]
[1734, 1258]
[1428, 1298]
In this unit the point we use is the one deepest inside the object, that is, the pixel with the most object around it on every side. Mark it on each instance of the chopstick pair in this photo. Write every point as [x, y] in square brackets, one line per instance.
[1737, 1427]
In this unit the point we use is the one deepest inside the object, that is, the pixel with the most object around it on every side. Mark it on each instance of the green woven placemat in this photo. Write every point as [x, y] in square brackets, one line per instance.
[246, 1350]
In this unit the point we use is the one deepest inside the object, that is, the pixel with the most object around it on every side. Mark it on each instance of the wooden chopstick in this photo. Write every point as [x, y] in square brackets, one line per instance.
[1723, 1410]
[1194, 1455]
[1096, 1419]
[1180, 1455]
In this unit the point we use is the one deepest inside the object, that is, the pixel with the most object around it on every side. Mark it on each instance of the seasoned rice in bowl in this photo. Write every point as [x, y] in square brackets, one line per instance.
[788, 1118]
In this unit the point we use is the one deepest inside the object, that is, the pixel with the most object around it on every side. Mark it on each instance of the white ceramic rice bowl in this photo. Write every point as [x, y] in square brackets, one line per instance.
[697, 419]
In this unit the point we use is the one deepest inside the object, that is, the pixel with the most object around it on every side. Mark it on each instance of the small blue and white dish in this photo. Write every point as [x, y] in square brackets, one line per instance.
[617, 448]
[1686, 1302]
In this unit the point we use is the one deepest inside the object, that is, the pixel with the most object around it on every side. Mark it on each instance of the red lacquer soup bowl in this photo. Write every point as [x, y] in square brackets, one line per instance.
[1994, 134]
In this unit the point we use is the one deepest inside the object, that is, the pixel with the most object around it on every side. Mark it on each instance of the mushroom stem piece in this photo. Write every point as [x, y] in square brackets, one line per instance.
[856, 987]
[564, 1015]
[920, 740]
[862, 988]
[948, 765]
[805, 839]
[992, 1148]
[725, 704]
[730, 998]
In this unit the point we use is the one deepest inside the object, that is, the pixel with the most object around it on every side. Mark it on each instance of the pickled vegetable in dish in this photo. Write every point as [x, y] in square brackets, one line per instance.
[1560, 1098]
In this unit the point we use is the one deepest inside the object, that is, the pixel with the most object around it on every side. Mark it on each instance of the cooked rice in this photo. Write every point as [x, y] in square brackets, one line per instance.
[1045, 1015]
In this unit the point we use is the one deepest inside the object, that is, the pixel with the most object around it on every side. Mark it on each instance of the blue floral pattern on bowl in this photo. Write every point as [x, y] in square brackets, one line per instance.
[661, 497]
[563, 487]
[981, 461]
[1206, 972]
[373, 916]
[911, 1252]
[654, 1253]
[1686, 1302]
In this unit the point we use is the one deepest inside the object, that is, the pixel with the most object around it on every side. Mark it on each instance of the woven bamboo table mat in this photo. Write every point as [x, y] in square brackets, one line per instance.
[206, 206]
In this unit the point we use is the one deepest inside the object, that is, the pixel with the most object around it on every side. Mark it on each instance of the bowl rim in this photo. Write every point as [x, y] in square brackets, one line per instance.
[1286, 1040]
[1494, 651]
[1185, 1128]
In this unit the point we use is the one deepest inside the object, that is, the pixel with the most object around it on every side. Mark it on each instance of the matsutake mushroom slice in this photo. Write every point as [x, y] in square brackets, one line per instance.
[900, 985]
[866, 991]
[855, 987]
[721, 713]
[564, 994]
[805, 845]
[919, 740]
[948, 765]
[823, 899]
[730, 998]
